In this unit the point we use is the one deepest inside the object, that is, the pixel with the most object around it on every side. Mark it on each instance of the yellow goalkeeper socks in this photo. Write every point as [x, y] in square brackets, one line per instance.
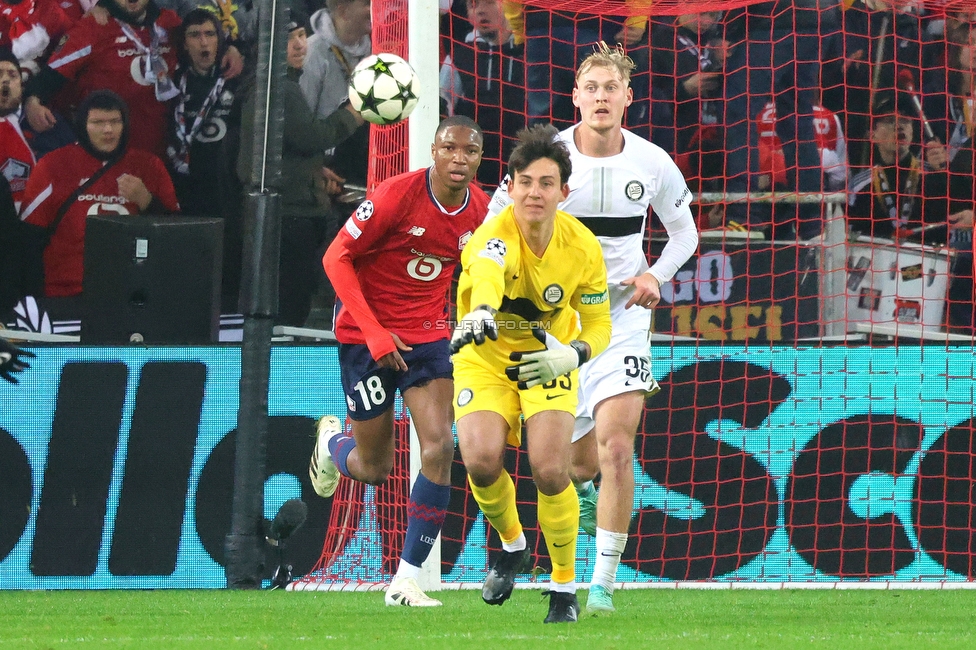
[559, 521]
[497, 501]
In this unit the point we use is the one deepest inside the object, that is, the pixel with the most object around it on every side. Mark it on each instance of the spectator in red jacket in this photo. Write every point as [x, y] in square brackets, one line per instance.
[135, 182]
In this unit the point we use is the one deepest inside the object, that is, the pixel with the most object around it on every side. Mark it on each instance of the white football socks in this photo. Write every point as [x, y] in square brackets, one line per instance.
[609, 547]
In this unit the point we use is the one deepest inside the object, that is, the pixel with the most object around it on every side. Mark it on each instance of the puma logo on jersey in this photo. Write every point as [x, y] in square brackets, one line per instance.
[417, 231]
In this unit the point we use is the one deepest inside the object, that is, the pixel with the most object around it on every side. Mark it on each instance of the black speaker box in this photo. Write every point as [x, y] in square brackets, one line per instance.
[152, 279]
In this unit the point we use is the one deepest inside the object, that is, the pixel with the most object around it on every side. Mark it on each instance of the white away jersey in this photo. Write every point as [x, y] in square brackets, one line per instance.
[611, 196]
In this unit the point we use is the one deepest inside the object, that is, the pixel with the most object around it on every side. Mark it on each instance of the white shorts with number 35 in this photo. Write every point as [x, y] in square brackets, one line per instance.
[623, 367]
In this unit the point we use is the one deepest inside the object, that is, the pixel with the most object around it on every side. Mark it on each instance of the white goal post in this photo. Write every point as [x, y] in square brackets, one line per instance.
[423, 28]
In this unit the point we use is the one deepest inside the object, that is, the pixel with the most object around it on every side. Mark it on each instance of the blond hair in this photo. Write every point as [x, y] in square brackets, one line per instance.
[613, 58]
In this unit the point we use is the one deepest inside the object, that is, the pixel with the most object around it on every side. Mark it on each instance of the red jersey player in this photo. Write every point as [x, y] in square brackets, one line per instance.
[391, 266]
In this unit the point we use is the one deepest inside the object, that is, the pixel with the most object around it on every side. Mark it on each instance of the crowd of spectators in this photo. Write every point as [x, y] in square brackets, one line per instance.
[144, 107]
[874, 98]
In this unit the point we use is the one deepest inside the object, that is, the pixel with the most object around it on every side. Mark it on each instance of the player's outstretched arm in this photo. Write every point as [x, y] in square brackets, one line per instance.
[481, 285]
[475, 327]
[682, 243]
[12, 359]
[545, 365]
[338, 264]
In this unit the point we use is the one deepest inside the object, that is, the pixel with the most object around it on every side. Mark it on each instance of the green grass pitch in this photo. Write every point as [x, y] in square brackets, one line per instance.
[644, 619]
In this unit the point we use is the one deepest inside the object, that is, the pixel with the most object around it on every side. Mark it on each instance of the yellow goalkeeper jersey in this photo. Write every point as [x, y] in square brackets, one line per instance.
[564, 291]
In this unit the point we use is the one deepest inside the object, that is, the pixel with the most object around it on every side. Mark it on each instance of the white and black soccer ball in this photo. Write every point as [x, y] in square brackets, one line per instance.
[384, 88]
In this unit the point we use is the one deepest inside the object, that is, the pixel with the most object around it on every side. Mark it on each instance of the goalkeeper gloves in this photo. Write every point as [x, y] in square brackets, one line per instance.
[545, 365]
[477, 325]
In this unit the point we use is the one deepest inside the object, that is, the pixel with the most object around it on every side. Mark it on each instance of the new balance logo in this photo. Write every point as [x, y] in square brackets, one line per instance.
[417, 231]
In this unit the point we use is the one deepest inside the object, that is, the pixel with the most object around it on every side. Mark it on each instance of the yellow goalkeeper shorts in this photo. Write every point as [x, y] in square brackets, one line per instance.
[477, 388]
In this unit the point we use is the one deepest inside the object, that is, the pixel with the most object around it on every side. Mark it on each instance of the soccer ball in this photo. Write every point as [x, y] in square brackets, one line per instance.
[384, 88]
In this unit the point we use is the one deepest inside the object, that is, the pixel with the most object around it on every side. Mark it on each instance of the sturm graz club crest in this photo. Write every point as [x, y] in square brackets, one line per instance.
[634, 190]
[553, 294]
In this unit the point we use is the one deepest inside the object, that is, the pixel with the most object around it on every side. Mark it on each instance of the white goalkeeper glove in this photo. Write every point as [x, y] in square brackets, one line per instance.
[477, 325]
[545, 365]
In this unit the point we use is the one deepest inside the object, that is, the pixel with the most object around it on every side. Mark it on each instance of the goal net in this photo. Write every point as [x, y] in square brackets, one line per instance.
[816, 421]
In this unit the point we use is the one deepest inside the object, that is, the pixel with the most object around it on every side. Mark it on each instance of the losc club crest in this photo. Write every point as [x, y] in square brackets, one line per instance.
[553, 294]
[634, 190]
[17, 173]
[463, 240]
[364, 211]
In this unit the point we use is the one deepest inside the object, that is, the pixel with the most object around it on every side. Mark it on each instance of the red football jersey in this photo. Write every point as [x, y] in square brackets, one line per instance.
[95, 57]
[16, 158]
[75, 9]
[60, 173]
[827, 131]
[403, 247]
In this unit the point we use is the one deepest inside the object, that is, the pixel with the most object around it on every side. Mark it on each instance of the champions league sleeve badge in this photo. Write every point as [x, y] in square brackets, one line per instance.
[495, 250]
[364, 211]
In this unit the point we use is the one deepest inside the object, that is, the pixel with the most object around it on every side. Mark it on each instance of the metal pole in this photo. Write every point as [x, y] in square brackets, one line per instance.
[244, 544]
